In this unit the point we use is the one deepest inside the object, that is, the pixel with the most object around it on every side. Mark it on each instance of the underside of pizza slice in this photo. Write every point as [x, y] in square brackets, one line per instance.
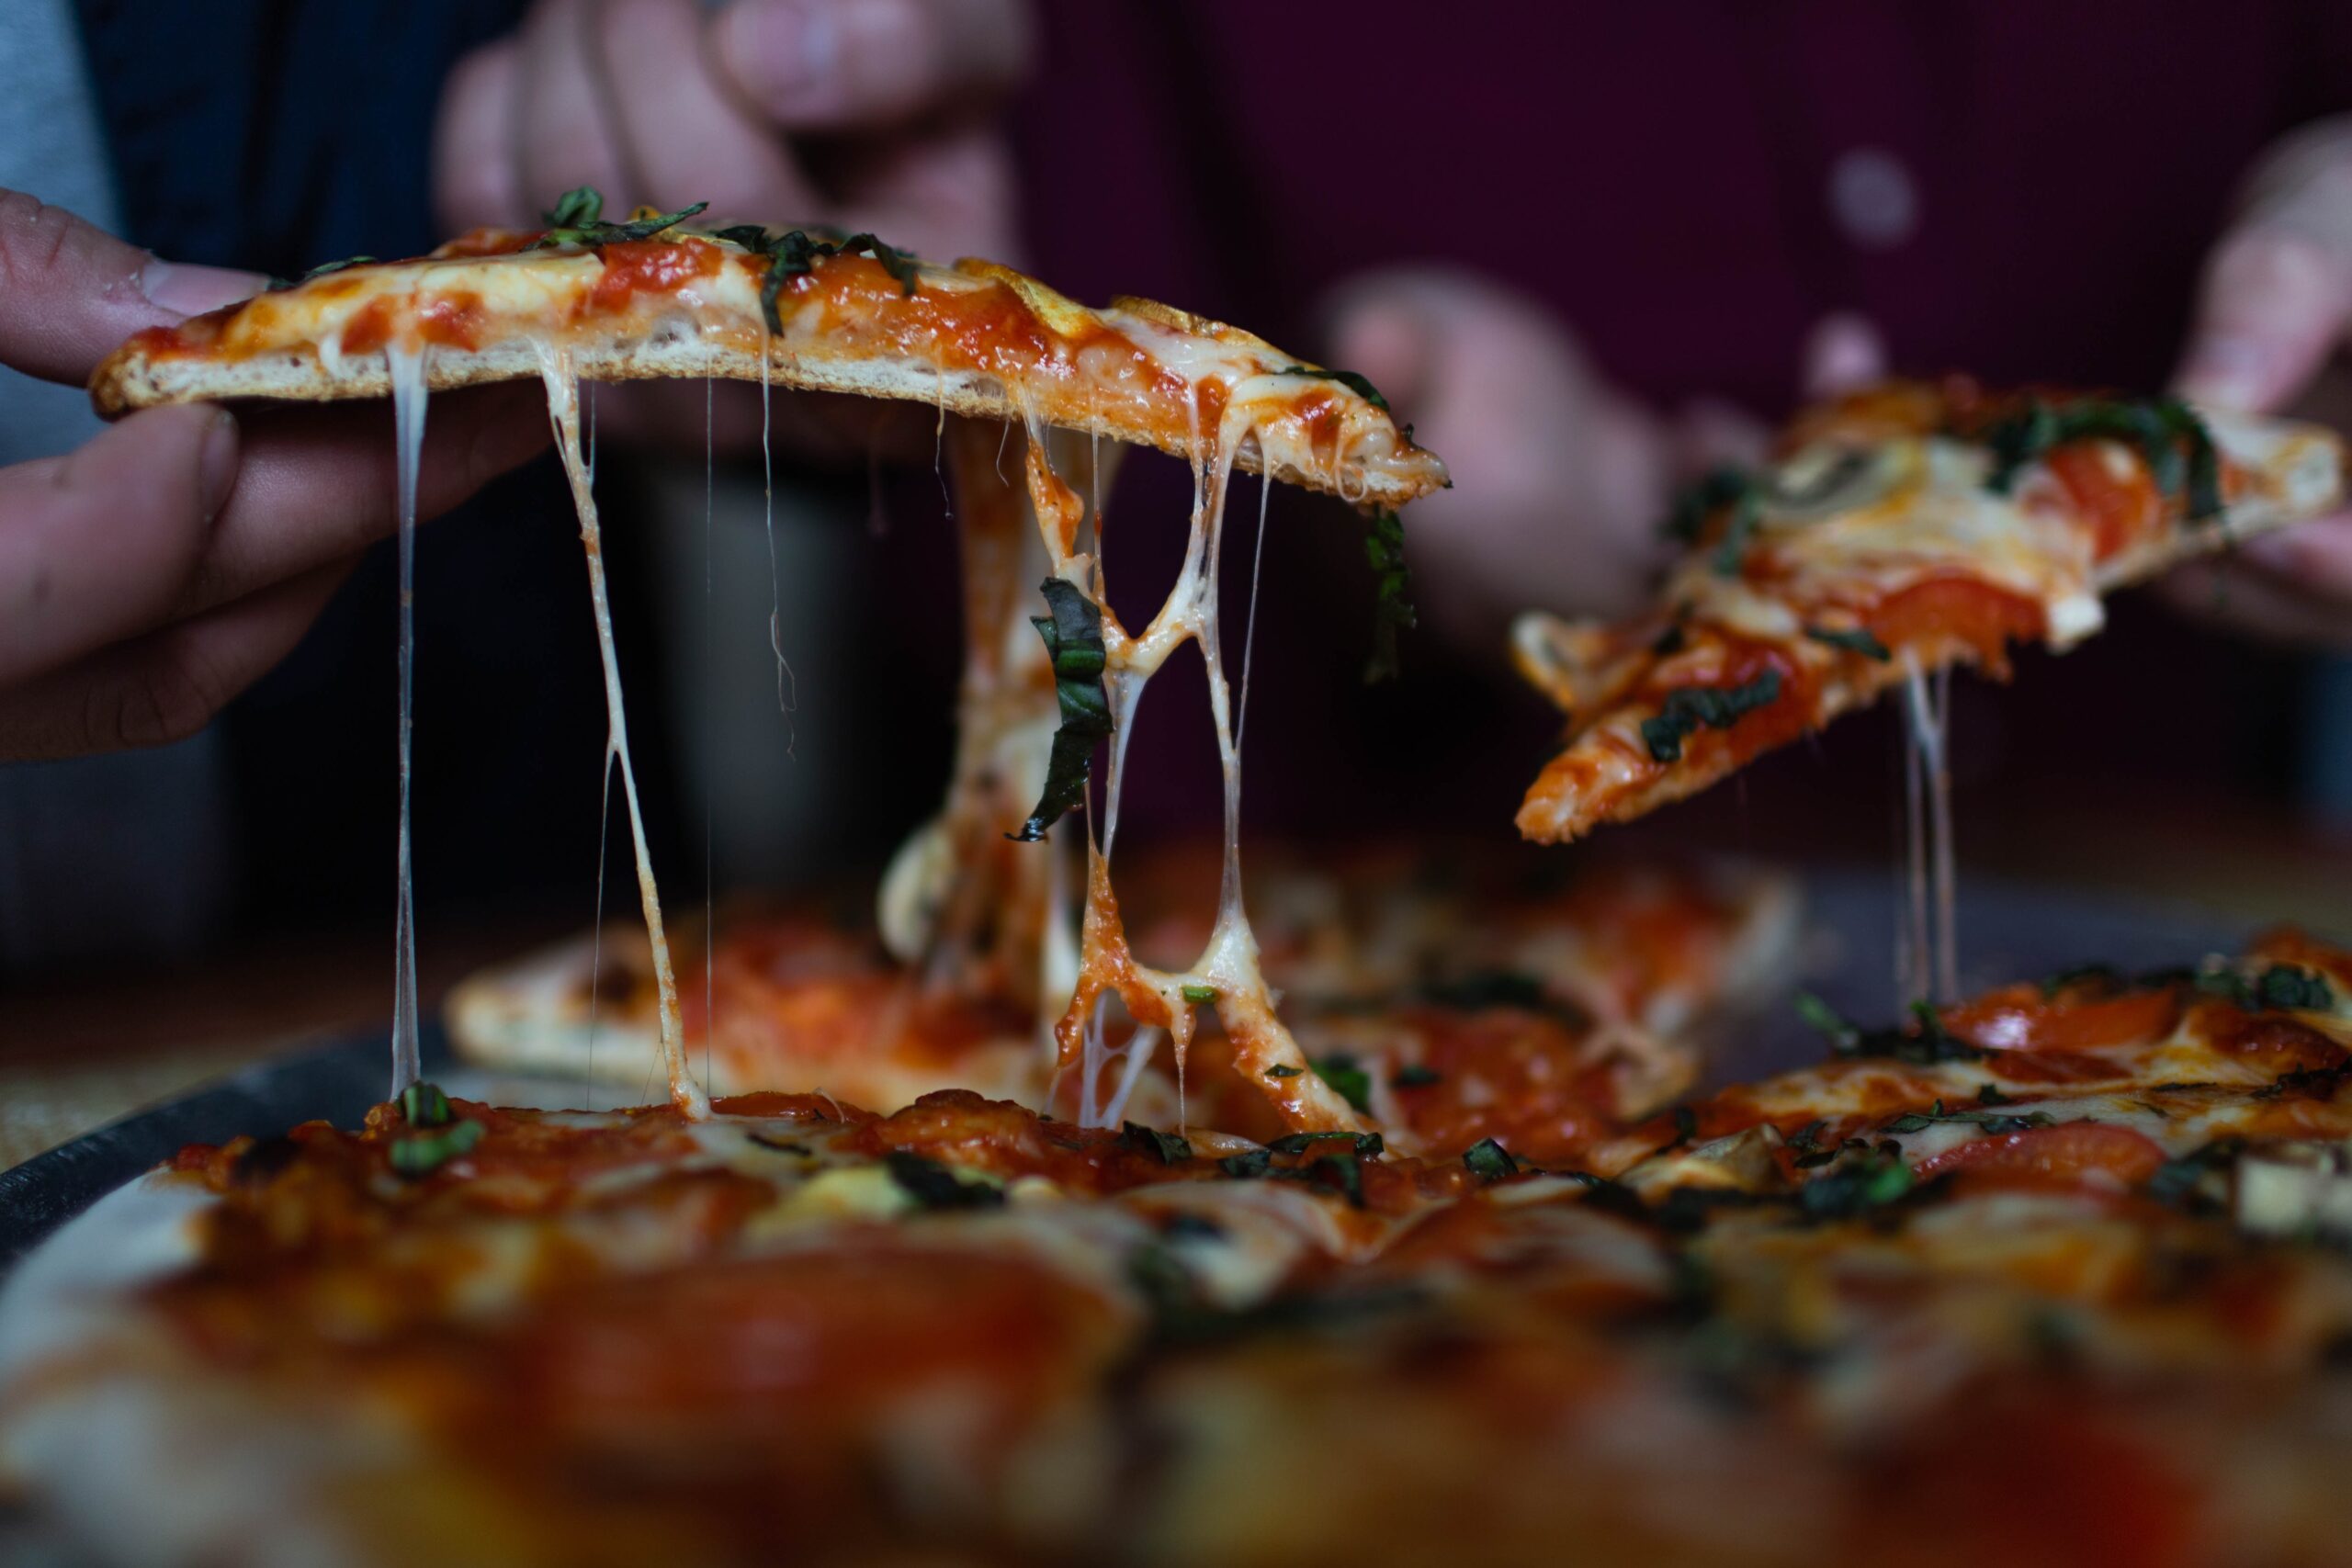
[1900, 531]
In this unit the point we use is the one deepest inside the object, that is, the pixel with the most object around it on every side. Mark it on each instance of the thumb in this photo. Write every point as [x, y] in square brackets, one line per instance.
[70, 292]
[2277, 289]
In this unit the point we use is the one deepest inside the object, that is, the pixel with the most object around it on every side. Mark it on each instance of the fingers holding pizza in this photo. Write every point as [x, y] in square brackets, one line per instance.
[2274, 315]
[155, 573]
[869, 116]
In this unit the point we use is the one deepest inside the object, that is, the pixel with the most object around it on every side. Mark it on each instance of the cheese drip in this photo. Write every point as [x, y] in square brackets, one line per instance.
[406, 366]
[563, 412]
[1927, 957]
[1227, 969]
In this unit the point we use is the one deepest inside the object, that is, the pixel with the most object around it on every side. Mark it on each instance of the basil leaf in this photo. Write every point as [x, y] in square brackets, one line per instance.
[424, 1105]
[2283, 987]
[577, 208]
[934, 1187]
[1073, 636]
[1392, 608]
[1352, 1083]
[1171, 1148]
[1348, 379]
[1197, 994]
[1688, 707]
[1246, 1166]
[1867, 1182]
[1303, 1143]
[1745, 513]
[420, 1153]
[1854, 639]
[1412, 1075]
[579, 219]
[1342, 1171]
[1282, 1070]
[1488, 1160]
[1717, 488]
[1485, 989]
[279, 284]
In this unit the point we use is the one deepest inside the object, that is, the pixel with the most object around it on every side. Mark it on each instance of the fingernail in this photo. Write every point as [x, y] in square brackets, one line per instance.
[189, 290]
[216, 469]
[784, 53]
[2227, 372]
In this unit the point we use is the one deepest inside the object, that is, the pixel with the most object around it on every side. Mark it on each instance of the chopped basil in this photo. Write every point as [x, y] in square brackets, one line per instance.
[279, 284]
[793, 252]
[1392, 611]
[1342, 1171]
[420, 1153]
[1865, 1182]
[579, 219]
[1351, 1082]
[1168, 1147]
[424, 1105]
[1670, 642]
[1200, 994]
[1303, 1142]
[2281, 986]
[1806, 1139]
[934, 1186]
[2169, 436]
[1688, 707]
[1246, 1166]
[1852, 639]
[1488, 1160]
[1283, 1070]
[1988, 1095]
[1686, 1123]
[1992, 1121]
[1927, 1043]
[1412, 1075]
[1073, 636]
[1348, 379]
[1744, 514]
[1717, 488]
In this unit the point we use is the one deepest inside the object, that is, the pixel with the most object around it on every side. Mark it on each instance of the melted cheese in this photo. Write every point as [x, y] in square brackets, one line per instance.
[563, 412]
[1228, 967]
[406, 363]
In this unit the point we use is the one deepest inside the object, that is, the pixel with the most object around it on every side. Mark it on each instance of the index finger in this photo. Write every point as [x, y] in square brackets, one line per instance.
[858, 65]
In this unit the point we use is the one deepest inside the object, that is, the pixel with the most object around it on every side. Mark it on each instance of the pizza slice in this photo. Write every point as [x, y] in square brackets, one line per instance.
[1899, 531]
[657, 296]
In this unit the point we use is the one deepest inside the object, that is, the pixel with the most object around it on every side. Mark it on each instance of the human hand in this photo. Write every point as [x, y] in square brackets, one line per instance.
[2274, 312]
[151, 575]
[1561, 480]
[872, 115]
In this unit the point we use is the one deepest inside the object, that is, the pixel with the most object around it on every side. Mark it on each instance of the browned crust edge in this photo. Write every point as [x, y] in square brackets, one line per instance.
[131, 379]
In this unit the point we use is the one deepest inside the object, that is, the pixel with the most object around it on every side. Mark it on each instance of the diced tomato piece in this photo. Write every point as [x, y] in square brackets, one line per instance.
[2019, 1018]
[1985, 617]
[2070, 1153]
[2119, 501]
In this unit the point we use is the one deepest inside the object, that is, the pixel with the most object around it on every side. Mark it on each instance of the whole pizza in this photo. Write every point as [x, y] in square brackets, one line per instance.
[1377, 1206]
